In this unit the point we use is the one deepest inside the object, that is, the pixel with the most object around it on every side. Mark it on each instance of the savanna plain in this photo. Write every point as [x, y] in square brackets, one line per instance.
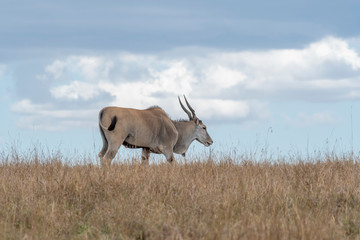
[209, 197]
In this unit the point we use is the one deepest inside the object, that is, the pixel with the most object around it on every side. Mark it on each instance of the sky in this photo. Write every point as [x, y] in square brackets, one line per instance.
[266, 77]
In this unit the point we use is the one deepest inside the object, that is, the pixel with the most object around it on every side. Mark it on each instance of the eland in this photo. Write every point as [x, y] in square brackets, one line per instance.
[150, 129]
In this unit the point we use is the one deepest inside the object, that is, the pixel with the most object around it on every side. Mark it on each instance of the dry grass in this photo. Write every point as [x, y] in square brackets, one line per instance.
[48, 199]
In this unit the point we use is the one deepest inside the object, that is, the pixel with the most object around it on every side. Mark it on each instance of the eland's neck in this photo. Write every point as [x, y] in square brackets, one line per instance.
[185, 136]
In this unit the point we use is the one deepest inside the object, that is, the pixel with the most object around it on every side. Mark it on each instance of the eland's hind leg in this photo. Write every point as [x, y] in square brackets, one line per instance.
[105, 143]
[110, 154]
[114, 143]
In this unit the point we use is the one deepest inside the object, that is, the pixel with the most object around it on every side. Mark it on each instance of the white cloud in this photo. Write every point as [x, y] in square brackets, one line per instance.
[56, 69]
[224, 111]
[176, 78]
[93, 68]
[222, 77]
[334, 49]
[74, 68]
[75, 90]
[48, 117]
[235, 86]
[301, 70]
[25, 106]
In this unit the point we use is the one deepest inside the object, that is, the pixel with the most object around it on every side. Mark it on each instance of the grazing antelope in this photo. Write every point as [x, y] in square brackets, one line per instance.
[150, 129]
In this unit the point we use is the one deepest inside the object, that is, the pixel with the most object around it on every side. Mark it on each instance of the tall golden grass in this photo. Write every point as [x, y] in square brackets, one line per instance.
[206, 199]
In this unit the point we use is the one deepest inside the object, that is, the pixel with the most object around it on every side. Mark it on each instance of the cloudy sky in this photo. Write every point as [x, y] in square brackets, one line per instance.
[278, 75]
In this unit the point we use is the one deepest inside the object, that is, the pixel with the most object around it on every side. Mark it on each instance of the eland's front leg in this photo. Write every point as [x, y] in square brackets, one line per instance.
[168, 152]
[145, 154]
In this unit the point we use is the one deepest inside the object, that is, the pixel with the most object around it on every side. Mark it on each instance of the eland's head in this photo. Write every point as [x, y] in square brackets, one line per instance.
[200, 132]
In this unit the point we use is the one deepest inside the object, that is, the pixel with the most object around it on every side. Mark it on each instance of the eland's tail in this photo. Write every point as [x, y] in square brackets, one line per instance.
[111, 127]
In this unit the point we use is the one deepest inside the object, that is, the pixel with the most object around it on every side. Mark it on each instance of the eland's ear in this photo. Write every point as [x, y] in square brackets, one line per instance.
[197, 121]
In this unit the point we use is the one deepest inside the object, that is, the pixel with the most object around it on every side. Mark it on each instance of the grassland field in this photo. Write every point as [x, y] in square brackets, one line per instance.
[45, 197]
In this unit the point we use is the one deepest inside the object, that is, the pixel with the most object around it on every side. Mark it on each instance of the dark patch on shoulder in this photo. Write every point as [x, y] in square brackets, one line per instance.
[181, 120]
[154, 107]
[158, 108]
